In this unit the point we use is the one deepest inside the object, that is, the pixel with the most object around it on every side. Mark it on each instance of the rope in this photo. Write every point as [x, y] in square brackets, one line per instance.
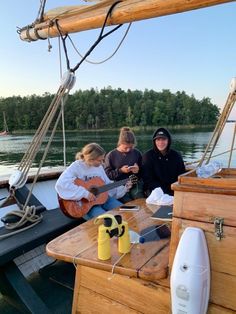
[197, 161]
[232, 146]
[30, 154]
[61, 95]
[41, 11]
[27, 215]
[63, 39]
[100, 37]
[108, 58]
[62, 105]
[44, 155]
[219, 128]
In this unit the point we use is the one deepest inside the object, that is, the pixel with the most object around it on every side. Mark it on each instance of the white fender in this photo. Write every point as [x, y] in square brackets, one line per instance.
[190, 275]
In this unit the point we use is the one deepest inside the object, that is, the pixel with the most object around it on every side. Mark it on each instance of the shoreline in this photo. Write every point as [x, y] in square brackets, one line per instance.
[134, 128]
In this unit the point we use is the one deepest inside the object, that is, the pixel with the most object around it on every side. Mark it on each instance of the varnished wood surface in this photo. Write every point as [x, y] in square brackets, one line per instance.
[79, 245]
[93, 16]
[205, 207]
[98, 289]
[215, 309]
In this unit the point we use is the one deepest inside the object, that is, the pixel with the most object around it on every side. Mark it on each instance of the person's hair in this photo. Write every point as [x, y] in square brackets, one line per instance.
[90, 152]
[126, 136]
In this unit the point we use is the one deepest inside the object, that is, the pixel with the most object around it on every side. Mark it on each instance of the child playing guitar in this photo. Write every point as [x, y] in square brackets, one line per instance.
[82, 188]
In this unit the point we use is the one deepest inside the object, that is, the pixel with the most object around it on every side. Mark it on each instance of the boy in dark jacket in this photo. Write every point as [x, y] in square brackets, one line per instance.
[161, 165]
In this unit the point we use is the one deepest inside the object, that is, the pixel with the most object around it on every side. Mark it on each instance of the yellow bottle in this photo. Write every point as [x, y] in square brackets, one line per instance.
[124, 240]
[104, 249]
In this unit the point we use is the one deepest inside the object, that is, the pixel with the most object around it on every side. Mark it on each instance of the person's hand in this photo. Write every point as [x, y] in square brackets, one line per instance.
[125, 169]
[128, 185]
[134, 168]
[91, 197]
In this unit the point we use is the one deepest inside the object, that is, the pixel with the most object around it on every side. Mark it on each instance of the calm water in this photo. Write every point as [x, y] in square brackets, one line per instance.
[190, 143]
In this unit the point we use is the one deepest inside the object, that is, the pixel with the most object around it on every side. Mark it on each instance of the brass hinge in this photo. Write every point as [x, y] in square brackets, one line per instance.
[218, 223]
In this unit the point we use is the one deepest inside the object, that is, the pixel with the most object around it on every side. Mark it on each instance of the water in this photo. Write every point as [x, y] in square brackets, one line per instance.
[191, 143]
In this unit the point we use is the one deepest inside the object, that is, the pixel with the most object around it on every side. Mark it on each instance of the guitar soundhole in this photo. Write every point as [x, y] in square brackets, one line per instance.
[94, 190]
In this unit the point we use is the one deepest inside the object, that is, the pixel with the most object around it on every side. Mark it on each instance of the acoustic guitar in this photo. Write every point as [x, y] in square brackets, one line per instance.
[77, 209]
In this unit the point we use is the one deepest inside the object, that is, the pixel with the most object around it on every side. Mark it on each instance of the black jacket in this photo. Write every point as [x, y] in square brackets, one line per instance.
[161, 170]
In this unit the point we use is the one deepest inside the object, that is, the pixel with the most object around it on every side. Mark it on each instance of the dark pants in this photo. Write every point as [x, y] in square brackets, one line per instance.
[135, 192]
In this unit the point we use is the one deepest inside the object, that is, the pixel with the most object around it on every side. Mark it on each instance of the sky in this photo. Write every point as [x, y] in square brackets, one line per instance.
[193, 52]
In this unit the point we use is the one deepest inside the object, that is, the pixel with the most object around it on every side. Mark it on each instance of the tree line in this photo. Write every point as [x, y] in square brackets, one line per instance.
[111, 108]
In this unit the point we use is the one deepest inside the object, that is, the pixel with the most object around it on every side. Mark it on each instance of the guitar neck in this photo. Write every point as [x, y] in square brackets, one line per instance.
[111, 186]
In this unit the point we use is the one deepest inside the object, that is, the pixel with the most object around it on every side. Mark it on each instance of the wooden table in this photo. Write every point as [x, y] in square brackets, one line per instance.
[134, 283]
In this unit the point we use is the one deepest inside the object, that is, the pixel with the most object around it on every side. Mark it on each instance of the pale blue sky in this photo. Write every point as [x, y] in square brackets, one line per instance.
[193, 51]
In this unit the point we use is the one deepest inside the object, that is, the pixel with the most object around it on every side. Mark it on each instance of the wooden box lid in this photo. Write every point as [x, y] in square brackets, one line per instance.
[205, 200]
[223, 182]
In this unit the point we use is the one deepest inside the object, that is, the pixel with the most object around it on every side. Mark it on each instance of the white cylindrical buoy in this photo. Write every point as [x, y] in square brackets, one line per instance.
[190, 275]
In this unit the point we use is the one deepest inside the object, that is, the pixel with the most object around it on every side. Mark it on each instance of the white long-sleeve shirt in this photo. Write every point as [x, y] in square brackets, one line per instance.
[68, 190]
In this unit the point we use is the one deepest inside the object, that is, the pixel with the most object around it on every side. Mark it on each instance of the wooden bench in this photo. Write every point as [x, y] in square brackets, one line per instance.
[13, 284]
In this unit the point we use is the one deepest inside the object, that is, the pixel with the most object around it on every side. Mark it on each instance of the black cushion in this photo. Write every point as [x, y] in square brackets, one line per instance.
[21, 196]
[53, 224]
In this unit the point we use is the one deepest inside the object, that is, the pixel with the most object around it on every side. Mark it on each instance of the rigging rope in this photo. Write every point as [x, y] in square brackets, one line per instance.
[41, 10]
[219, 127]
[99, 39]
[232, 146]
[198, 161]
[62, 104]
[108, 58]
[19, 178]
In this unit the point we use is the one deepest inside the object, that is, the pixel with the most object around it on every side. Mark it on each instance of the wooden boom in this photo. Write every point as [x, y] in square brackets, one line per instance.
[92, 16]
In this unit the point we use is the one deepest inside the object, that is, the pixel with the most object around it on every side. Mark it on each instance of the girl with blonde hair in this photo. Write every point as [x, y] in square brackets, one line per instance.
[88, 165]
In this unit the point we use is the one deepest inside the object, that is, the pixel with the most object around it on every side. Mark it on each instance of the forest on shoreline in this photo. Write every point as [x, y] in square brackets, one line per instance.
[112, 108]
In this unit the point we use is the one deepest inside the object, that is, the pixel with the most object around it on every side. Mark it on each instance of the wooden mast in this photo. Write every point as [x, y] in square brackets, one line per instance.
[5, 122]
[5, 128]
[92, 16]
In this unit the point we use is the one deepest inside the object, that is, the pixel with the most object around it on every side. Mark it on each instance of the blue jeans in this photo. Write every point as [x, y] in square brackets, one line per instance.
[97, 210]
